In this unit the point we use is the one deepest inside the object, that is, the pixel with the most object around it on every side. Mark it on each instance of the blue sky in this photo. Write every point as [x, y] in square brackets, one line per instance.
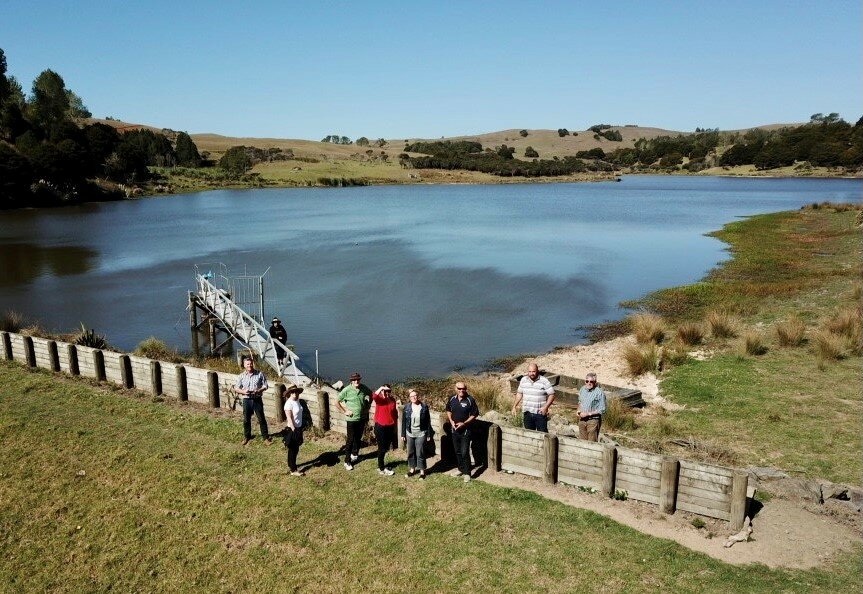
[402, 69]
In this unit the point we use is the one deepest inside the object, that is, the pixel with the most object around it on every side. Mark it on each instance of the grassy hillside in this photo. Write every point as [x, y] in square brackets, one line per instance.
[792, 404]
[105, 490]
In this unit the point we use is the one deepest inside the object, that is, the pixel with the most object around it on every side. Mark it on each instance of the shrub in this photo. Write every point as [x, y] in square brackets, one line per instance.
[153, 348]
[698, 523]
[523, 133]
[12, 321]
[89, 338]
[531, 153]
[620, 495]
[753, 343]
[675, 356]
[846, 323]
[486, 392]
[722, 324]
[790, 332]
[690, 333]
[618, 417]
[828, 346]
[647, 328]
[640, 360]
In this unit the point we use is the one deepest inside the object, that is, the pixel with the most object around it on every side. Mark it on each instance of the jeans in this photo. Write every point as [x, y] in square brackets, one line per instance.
[293, 441]
[385, 435]
[461, 445]
[535, 421]
[254, 405]
[416, 451]
[353, 438]
[589, 429]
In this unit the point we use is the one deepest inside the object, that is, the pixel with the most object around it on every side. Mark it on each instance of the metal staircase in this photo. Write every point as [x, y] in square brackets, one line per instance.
[218, 302]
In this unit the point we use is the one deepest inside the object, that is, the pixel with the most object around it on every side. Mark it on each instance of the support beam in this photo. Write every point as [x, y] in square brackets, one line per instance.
[99, 365]
[549, 448]
[323, 410]
[7, 346]
[182, 387]
[213, 388]
[53, 355]
[156, 378]
[126, 372]
[668, 485]
[494, 447]
[72, 354]
[29, 352]
[739, 484]
[609, 466]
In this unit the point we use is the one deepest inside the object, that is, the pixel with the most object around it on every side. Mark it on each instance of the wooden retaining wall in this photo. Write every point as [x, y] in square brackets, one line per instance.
[670, 483]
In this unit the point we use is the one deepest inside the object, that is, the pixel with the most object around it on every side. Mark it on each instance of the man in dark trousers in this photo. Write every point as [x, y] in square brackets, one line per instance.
[278, 332]
[461, 411]
[251, 384]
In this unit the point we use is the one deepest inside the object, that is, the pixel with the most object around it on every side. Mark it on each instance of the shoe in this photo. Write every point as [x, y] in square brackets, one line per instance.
[354, 458]
[410, 473]
[386, 472]
[246, 441]
[466, 478]
[459, 473]
[268, 441]
[298, 473]
[422, 476]
[348, 466]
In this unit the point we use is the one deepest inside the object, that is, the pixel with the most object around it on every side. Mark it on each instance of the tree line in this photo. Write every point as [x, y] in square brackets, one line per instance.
[471, 155]
[48, 156]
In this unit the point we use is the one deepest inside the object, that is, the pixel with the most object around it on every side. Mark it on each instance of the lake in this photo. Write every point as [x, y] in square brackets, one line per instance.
[392, 281]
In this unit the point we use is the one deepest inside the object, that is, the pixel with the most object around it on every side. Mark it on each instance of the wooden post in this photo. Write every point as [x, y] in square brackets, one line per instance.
[7, 346]
[668, 485]
[400, 420]
[99, 365]
[549, 448]
[212, 329]
[323, 410]
[193, 312]
[494, 445]
[126, 372]
[53, 355]
[72, 354]
[213, 388]
[182, 388]
[739, 484]
[156, 378]
[280, 402]
[29, 352]
[609, 466]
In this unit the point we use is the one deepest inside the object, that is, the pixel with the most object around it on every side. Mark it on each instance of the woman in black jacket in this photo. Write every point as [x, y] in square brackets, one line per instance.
[416, 431]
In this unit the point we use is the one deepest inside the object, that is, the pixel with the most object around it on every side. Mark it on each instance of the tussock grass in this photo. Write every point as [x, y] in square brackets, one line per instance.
[12, 321]
[722, 324]
[436, 392]
[675, 356]
[848, 323]
[857, 293]
[153, 348]
[752, 343]
[790, 332]
[618, 417]
[690, 333]
[828, 346]
[647, 328]
[641, 359]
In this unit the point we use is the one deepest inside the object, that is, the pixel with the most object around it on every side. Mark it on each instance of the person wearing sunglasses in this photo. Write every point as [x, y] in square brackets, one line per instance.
[591, 407]
[461, 411]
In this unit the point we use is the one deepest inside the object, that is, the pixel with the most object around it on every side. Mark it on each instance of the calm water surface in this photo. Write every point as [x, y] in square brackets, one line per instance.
[392, 281]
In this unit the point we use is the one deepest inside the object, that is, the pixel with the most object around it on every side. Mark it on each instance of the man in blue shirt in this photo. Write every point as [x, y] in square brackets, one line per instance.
[591, 407]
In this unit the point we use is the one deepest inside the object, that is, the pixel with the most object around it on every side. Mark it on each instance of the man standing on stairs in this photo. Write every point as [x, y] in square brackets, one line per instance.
[278, 332]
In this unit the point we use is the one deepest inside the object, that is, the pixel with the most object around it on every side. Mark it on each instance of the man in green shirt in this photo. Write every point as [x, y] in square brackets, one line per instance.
[353, 401]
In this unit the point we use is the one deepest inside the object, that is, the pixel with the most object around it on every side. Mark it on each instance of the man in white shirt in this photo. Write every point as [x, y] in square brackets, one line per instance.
[535, 394]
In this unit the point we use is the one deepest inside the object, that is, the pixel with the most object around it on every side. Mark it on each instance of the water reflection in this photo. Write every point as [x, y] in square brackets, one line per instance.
[22, 263]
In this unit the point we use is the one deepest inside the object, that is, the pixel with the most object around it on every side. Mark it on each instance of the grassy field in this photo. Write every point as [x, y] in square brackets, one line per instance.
[101, 489]
[788, 407]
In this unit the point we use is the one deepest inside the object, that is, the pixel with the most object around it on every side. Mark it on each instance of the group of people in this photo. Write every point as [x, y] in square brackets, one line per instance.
[535, 394]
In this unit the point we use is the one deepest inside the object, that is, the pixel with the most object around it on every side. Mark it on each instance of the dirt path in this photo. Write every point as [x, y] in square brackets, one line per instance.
[784, 534]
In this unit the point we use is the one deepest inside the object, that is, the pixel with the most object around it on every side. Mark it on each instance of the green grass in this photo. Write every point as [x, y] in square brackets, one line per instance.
[785, 407]
[169, 501]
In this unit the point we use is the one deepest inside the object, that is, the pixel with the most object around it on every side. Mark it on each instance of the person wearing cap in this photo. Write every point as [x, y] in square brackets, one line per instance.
[251, 385]
[386, 416]
[278, 332]
[353, 401]
[416, 432]
[461, 411]
[293, 434]
[535, 394]
[591, 407]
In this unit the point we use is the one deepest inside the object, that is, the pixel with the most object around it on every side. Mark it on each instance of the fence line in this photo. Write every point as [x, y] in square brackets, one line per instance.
[665, 481]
